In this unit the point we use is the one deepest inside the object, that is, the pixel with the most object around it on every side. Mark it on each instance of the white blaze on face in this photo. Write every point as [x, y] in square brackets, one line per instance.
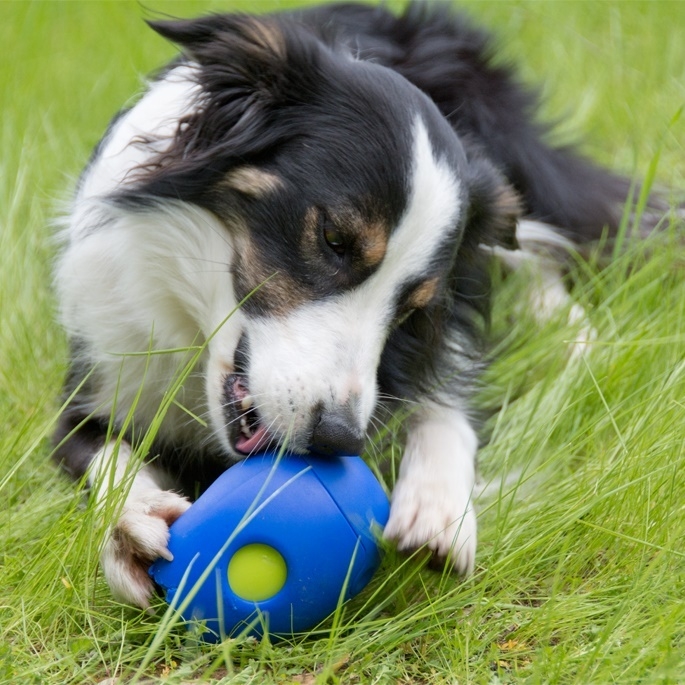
[326, 353]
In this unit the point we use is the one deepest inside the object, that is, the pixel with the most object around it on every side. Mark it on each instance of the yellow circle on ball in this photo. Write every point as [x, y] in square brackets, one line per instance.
[257, 572]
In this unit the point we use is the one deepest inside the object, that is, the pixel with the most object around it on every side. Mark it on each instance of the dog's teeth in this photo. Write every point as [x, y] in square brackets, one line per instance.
[246, 402]
[245, 428]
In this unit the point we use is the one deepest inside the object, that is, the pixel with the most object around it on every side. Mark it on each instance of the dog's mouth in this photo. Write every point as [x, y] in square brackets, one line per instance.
[248, 433]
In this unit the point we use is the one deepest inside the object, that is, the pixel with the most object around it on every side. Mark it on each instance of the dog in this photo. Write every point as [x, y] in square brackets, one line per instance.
[290, 233]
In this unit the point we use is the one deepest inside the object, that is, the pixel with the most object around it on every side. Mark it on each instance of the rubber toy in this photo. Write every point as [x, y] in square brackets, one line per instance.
[274, 544]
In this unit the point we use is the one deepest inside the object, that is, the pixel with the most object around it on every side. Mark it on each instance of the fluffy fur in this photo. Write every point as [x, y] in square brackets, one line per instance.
[309, 199]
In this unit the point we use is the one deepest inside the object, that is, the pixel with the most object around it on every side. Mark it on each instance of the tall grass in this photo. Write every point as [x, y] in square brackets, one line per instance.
[580, 573]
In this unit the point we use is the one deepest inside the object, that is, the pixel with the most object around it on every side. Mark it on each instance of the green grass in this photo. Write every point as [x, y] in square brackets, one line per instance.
[580, 575]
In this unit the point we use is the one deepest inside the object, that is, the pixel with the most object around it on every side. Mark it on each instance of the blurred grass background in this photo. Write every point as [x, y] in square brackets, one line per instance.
[580, 575]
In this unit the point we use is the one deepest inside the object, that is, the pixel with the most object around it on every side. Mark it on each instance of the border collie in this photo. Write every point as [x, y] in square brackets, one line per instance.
[304, 205]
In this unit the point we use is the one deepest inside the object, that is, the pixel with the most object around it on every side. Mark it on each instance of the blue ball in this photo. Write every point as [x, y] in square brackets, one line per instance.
[275, 544]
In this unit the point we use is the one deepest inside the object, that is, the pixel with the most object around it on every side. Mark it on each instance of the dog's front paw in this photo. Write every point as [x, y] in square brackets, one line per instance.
[436, 516]
[139, 537]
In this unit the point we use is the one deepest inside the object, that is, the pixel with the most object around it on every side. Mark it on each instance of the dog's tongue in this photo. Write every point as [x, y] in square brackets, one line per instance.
[248, 445]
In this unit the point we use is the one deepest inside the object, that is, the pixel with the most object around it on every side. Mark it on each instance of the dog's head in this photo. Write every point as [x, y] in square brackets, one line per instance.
[347, 197]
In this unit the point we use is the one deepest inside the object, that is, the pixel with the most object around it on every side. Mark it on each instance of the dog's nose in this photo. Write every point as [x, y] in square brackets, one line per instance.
[337, 433]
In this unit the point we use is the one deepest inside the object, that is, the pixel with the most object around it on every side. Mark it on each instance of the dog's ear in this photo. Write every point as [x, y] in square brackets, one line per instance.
[233, 50]
[249, 70]
[244, 69]
[494, 207]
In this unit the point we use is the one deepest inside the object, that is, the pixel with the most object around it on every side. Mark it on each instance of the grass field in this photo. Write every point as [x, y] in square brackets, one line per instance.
[580, 576]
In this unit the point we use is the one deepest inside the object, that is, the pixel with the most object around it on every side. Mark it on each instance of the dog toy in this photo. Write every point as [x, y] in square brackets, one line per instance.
[274, 544]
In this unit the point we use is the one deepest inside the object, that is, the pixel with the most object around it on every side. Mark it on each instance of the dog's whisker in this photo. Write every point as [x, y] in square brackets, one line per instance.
[395, 398]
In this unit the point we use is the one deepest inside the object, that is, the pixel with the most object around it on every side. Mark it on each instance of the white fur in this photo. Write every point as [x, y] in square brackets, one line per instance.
[140, 533]
[125, 290]
[131, 283]
[431, 503]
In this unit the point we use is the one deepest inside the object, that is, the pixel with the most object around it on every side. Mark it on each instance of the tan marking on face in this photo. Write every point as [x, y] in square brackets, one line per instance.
[374, 243]
[272, 290]
[423, 294]
[253, 181]
[310, 242]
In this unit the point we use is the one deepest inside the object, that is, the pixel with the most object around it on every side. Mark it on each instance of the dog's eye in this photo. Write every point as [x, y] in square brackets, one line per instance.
[333, 237]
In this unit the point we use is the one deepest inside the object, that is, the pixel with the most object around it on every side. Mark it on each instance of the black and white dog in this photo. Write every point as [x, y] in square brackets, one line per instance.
[344, 175]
